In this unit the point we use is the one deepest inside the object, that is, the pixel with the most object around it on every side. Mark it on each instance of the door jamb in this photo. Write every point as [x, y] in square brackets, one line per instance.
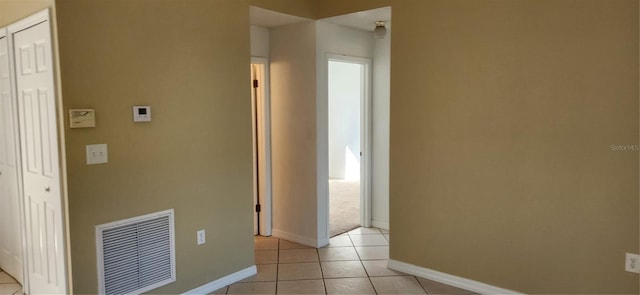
[266, 200]
[365, 134]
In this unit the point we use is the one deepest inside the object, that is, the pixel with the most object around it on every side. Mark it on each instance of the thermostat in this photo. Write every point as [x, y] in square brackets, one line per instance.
[141, 114]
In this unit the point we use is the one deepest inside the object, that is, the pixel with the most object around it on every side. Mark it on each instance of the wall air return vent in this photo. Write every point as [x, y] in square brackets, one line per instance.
[136, 255]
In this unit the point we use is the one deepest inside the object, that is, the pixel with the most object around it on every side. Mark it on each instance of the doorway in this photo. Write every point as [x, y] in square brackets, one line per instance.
[260, 119]
[348, 95]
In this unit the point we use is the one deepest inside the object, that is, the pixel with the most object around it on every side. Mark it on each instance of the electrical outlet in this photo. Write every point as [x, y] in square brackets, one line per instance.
[201, 237]
[632, 263]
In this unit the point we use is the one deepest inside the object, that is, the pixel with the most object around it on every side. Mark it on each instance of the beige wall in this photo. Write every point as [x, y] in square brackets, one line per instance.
[13, 10]
[189, 61]
[293, 127]
[502, 117]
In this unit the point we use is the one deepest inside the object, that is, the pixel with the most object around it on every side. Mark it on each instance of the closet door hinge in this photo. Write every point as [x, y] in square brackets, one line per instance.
[255, 83]
[258, 208]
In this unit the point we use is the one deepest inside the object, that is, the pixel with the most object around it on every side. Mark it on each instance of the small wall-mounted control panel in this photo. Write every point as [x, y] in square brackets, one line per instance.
[141, 114]
[82, 118]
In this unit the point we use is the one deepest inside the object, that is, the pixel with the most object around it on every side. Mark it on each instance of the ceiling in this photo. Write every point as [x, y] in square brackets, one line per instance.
[270, 19]
[363, 20]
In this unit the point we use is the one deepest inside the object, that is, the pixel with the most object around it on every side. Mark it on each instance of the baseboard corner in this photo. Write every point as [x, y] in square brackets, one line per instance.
[445, 278]
[224, 281]
[380, 224]
[294, 238]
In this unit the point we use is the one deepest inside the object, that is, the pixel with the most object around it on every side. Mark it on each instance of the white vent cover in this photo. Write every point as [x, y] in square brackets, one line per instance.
[136, 255]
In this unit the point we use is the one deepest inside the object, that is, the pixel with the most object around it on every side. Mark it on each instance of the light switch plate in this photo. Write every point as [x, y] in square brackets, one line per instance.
[97, 154]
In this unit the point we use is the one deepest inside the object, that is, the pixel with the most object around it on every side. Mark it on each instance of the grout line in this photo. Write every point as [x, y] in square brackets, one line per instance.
[421, 286]
[277, 267]
[324, 283]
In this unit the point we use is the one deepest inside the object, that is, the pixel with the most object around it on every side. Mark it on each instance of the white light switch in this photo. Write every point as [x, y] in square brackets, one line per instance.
[97, 154]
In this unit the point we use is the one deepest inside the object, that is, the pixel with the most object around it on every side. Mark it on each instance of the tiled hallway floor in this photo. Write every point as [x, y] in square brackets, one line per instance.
[8, 285]
[353, 263]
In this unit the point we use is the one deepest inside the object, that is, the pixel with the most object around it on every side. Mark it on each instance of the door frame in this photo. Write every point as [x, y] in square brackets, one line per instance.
[365, 133]
[12, 29]
[265, 127]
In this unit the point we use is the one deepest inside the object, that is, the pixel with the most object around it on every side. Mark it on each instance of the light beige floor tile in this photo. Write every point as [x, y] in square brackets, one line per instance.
[338, 253]
[397, 285]
[266, 273]
[378, 268]
[340, 241]
[343, 269]
[365, 231]
[266, 256]
[5, 278]
[19, 292]
[301, 287]
[253, 288]
[220, 291]
[349, 286]
[284, 245]
[9, 288]
[265, 244]
[384, 231]
[369, 240]
[373, 252]
[434, 287]
[299, 271]
[298, 255]
[387, 236]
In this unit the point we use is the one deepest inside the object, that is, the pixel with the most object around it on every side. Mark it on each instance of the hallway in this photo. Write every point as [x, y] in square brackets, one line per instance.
[353, 263]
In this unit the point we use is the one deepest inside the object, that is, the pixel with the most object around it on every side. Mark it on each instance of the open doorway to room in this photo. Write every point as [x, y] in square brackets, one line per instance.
[261, 146]
[348, 95]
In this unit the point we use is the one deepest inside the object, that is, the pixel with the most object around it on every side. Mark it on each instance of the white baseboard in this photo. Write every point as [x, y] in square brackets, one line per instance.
[224, 281]
[295, 238]
[380, 224]
[448, 279]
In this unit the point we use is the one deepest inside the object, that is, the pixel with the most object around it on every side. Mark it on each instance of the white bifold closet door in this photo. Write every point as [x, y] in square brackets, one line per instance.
[10, 226]
[32, 50]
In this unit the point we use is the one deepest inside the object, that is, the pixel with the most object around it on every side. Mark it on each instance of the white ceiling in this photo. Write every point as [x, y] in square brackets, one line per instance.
[363, 20]
[270, 19]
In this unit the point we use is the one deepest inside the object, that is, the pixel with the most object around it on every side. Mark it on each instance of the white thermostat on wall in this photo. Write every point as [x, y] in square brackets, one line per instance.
[141, 114]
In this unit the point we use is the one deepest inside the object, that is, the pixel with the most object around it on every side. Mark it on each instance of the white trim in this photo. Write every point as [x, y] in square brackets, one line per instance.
[380, 224]
[266, 219]
[29, 21]
[456, 281]
[300, 239]
[365, 133]
[224, 281]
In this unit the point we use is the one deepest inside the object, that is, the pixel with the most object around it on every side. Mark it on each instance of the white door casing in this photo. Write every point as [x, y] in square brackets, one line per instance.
[33, 58]
[10, 216]
[262, 180]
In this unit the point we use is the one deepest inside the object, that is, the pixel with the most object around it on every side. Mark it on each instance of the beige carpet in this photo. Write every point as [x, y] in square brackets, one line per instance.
[344, 203]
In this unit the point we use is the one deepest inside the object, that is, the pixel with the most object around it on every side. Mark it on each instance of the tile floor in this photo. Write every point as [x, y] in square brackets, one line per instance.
[8, 285]
[353, 263]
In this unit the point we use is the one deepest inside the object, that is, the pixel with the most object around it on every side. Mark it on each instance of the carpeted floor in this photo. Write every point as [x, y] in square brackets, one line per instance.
[344, 203]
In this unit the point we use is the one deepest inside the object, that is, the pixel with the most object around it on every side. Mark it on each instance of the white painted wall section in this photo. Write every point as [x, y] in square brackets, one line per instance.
[380, 134]
[293, 125]
[259, 41]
